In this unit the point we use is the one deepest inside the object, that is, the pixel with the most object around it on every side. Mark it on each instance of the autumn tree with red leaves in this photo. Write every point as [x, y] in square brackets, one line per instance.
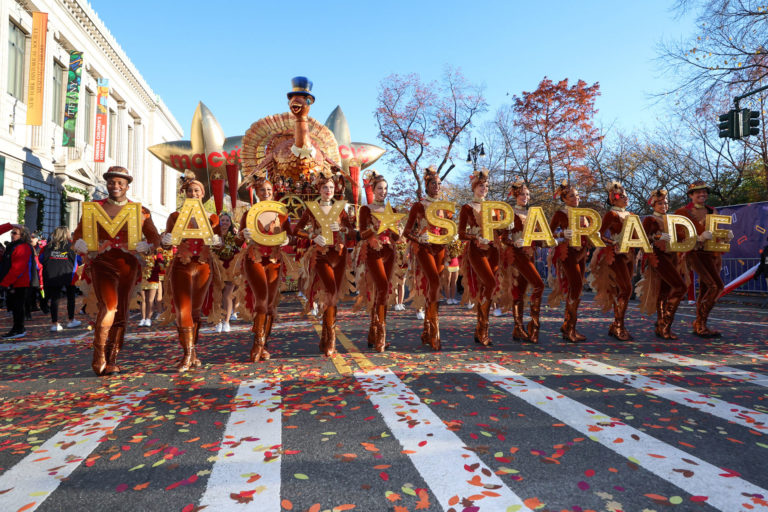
[561, 119]
[423, 122]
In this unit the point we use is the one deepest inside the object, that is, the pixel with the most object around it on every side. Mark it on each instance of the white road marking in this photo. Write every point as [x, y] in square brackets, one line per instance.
[722, 489]
[29, 345]
[713, 368]
[433, 448]
[36, 476]
[753, 355]
[250, 447]
[735, 413]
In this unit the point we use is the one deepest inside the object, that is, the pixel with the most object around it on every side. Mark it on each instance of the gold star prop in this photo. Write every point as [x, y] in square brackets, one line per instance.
[388, 219]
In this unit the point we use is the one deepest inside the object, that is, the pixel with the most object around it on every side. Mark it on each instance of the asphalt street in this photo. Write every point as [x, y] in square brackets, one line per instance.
[646, 425]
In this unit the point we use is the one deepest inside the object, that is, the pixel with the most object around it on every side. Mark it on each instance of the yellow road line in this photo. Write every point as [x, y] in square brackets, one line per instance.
[363, 362]
[341, 365]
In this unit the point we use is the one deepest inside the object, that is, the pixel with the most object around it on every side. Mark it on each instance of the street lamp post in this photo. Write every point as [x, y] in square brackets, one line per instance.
[474, 152]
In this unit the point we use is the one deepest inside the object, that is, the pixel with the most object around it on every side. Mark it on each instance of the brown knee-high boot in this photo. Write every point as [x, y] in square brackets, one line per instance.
[518, 333]
[259, 338]
[186, 340]
[706, 308]
[329, 320]
[373, 328]
[621, 329]
[571, 310]
[426, 333]
[669, 318]
[481, 331]
[380, 341]
[99, 363]
[660, 317]
[195, 361]
[114, 346]
[535, 323]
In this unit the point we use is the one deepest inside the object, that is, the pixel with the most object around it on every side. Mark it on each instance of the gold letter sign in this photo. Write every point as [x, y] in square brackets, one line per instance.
[713, 222]
[633, 235]
[672, 222]
[536, 228]
[325, 220]
[192, 209]
[590, 231]
[251, 222]
[94, 216]
[441, 222]
[489, 225]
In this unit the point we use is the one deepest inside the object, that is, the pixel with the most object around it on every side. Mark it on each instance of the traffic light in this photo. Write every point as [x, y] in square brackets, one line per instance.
[750, 122]
[728, 125]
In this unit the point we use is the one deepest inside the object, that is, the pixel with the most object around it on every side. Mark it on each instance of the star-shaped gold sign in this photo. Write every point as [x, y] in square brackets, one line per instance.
[388, 219]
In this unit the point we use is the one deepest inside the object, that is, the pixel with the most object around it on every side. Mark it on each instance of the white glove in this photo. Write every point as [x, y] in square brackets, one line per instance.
[216, 241]
[483, 241]
[665, 237]
[519, 242]
[285, 242]
[511, 226]
[142, 246]
[80, 246]
[424, 238]
[247, 235]
[730, 235]
[319, 240]
[335, 226]
[568, 234]
[706, 235]
[167, 239]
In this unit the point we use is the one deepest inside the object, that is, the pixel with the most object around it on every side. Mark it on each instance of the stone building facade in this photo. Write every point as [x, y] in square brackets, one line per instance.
[44, 182]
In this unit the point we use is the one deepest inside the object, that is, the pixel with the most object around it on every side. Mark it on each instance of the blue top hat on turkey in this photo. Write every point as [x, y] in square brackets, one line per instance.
[301, 85]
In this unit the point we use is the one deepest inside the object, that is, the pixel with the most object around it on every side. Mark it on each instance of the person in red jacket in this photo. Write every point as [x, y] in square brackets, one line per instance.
[16, 272]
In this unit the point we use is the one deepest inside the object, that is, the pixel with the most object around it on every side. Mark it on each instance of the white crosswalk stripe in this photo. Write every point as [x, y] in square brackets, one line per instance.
[731, 412]
[713, 368]
[724, 491]
[431, 446]
[754, 355]
[252, 441]
[36, 476]
[29, 345]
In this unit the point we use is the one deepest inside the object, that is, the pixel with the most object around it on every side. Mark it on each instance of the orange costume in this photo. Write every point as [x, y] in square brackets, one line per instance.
[706, 264]
[114, 275]
[375, 271]
[611, 273]
[188, 279]
[324, 272]
[480, 263]
[263, 269]
[663, 284]
[567, 279]
[519, 273]
[426, 264]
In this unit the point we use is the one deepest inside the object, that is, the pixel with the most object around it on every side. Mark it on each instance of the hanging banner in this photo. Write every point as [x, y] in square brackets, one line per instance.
[73, 98]
[37, 69]
[100, 137]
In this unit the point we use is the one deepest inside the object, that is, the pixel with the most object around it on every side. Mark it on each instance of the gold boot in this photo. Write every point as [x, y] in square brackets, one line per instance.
[99, 363]
[259, 335]
[114, 346]
[535, 323]
[186, 340]
[518, 333]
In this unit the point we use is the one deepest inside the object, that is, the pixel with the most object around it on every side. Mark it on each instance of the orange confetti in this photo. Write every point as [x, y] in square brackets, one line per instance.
[286, 504]
[141, 487]
[454, 500]
[341, 508]
[533, 503]
[27, 506]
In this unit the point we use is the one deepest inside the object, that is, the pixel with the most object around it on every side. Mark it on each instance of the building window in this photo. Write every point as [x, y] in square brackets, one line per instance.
[57, 79]
[17, 43]
[85, 117]
[111, 134]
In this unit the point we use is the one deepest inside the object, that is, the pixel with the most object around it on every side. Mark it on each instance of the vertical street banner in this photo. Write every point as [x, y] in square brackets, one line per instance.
[73, 98]
[100, 137]
[37, 69]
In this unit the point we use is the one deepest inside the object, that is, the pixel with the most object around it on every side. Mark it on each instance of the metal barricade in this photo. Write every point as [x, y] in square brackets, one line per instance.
[734, 267]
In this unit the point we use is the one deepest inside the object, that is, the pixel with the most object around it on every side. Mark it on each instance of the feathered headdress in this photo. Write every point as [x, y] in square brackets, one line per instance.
[517, 187]
[322, 177]
[615, 190]
[373, 177]
[430, 173]
[563, 189]
[186, 180]
[657, 195]
[478, 177]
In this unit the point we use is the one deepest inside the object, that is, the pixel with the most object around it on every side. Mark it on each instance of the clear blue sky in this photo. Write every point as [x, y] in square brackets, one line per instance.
[238, 57]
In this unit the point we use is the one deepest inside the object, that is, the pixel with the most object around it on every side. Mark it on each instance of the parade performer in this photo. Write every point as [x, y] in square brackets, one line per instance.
[188, 278]
[706, 264]
[480, 264]
[568, 264]
[376, 264]
[16, 269]
[225, 256]
[263, 269]
[663, 284]
[324, 265]
[611, 271]
[426, 260]
[151, 288]
[113, 272]
[520, 270]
